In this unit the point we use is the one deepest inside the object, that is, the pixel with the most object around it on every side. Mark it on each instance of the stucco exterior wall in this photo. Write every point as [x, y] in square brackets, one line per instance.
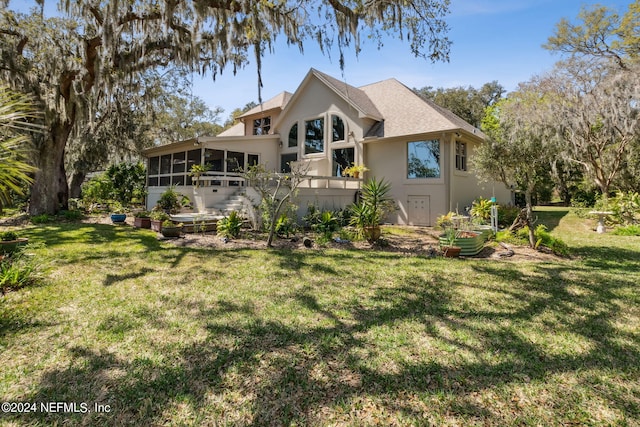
[318, 101]
[467, 186]
[419, 201]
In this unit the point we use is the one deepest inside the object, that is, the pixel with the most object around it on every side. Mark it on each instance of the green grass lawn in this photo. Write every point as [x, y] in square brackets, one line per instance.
[182, 336]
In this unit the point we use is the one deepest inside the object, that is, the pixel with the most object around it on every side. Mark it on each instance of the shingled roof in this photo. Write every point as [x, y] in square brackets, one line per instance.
[357, 97]
[406, 113]
[279, 101]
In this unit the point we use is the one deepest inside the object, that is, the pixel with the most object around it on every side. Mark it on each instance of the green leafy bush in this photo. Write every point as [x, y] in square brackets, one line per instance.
[41, 219]
[6, 236]
[506, 215]
[629, 230]
[230, 226]
[18, 270]
[158, 215]
[72, 215]
[543, 239]
[584, 198]
[481, 209]
[625, 207]
[171, 201]
[285, 226]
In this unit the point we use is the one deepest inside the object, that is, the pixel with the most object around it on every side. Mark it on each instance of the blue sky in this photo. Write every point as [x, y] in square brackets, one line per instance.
[492, 40]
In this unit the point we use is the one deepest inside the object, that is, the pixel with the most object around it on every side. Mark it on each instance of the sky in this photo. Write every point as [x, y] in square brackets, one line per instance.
[492, 40]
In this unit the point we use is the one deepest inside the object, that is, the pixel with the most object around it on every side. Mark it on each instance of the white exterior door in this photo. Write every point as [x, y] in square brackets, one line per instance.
[419, 210]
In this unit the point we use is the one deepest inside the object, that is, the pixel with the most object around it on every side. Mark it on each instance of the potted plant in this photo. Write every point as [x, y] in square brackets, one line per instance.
[118, 215]
[374, 206]
[355, 170]
[10, 242]
[170, 229]
[142, 219]
[157, 218]
[448, 243]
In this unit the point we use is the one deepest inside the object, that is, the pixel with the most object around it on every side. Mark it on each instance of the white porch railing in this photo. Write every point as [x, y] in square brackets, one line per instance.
[309, 181]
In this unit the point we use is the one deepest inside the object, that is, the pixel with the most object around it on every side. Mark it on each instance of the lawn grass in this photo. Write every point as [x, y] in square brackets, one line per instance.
[182, 336]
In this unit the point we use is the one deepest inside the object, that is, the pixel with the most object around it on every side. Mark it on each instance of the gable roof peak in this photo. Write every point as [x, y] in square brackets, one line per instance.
[349, 93]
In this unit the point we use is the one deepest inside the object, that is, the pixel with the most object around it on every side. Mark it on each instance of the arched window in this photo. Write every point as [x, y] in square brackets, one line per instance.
[337, 129]
[293, 136]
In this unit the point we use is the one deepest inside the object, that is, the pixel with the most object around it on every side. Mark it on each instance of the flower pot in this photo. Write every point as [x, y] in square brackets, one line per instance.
[141, 222]
[451, 251]
[8, 247]
[171, 231]
[372, 233]
[156, 225]
[118, 218]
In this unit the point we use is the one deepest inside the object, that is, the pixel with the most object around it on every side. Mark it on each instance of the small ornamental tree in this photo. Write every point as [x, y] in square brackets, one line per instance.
[518, 151]
[276, 191]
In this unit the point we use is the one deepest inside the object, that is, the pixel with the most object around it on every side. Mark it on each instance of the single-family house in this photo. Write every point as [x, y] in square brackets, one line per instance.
[423, 150]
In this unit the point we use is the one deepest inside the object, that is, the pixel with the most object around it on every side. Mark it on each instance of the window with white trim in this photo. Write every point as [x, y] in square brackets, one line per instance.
[461, 156]
[262, 126]
[423, 159]
[337, 129]
[314, 136]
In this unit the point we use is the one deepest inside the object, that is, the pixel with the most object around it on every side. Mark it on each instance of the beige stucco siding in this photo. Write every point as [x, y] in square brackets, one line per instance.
[314, 102]
[389, 161]
[467, 186]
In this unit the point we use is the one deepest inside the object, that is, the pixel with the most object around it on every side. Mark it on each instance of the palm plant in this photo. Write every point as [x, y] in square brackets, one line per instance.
[16, 119]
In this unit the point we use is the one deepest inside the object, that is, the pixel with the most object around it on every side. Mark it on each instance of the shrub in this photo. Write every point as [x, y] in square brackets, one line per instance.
[325, 222]
[584, 198]
[506, 215]
[625, 207]
[543, 239]
[7, 236]
[18, 270]
[158, 215]
[72, 215]
[142, 214]
[41, 219]
[285, 226]
[481, 209]
[445, 221]
[230, 226]
[629, 230]
[171, 201]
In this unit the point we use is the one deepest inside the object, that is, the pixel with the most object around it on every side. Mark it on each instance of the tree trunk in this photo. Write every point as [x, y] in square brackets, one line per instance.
[50, 191]
[529, 218]
[75, 186]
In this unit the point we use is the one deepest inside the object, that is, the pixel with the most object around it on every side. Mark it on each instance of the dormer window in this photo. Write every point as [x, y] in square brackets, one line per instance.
[262, 126]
